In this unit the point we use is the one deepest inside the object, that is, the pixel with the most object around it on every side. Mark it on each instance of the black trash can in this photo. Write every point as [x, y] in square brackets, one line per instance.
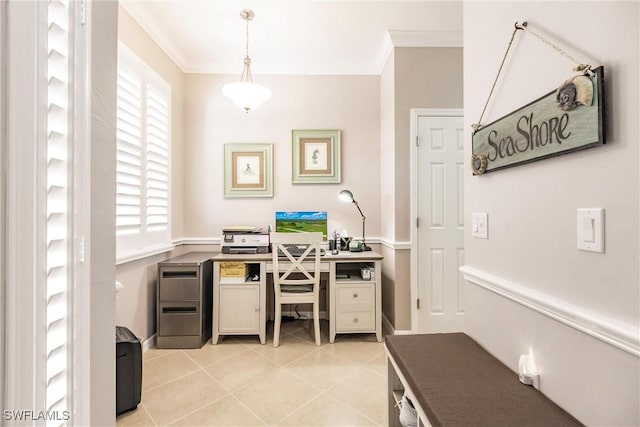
[128, 370]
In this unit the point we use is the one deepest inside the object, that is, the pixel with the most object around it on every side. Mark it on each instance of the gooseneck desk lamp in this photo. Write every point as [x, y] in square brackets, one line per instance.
[347, 196]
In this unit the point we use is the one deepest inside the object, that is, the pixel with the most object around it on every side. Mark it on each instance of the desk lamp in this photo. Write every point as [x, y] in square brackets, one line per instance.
[347, 196]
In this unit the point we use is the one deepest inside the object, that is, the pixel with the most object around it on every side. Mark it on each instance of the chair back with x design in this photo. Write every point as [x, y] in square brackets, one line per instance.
[296, 279]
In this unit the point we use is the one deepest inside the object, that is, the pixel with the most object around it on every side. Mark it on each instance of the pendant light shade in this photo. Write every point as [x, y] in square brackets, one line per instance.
[246, 94]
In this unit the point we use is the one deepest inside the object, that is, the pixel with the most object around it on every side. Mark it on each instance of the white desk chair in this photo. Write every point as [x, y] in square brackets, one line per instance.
[305, 287]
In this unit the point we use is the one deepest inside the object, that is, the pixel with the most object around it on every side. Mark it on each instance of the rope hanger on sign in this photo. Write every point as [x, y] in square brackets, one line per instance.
[565, 99]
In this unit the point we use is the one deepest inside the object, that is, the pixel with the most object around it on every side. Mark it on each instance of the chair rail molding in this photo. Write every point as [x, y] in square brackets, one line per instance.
[391, 244]
[621, 335]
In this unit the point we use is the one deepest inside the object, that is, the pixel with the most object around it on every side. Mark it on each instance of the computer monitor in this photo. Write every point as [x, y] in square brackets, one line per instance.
[300, 222]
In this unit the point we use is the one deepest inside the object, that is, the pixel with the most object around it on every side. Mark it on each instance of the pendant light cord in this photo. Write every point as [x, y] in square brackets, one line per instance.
[246, 71]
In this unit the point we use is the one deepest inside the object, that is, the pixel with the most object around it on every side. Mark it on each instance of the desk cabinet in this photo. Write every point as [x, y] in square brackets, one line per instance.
[239, 305]
[355, 307]
[239, 308]
[355, 302]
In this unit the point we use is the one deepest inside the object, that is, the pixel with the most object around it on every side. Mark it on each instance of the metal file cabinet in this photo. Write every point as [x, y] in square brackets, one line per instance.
[184, 300]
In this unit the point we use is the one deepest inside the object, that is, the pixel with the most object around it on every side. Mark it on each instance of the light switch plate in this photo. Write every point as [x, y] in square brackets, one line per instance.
[479, 225]
[590, 229]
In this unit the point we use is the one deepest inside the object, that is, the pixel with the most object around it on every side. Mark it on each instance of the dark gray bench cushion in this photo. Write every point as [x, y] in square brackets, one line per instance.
[458, 383]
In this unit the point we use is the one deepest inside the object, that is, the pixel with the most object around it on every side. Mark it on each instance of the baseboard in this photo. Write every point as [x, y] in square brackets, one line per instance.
[388, 328]
[149, 343]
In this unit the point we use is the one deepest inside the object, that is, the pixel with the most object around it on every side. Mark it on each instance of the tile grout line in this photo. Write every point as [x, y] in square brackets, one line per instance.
[246, 348]
[351, 407]
[198, 409]
[299, 408]
[249, 409]
[171, 380]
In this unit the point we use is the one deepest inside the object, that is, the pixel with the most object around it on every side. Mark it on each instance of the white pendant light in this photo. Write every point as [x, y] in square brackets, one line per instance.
[246, 94]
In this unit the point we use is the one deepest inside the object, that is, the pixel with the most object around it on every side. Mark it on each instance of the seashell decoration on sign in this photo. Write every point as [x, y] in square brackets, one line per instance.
[576, 91]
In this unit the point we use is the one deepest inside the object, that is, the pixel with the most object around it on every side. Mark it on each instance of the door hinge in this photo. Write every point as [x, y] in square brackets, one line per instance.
[417, 141]
[418, 222]
[83, 13]
[418, 303]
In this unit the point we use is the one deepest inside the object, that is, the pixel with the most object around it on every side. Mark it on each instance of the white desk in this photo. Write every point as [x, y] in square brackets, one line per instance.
[354, 306]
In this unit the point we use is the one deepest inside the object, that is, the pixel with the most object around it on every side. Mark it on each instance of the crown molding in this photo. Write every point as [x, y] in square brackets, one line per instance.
[164, 42]
[425, 38]
[397, 38]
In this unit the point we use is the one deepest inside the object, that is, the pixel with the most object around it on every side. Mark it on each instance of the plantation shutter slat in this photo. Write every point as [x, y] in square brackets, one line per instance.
[157, 159]
[58, 237]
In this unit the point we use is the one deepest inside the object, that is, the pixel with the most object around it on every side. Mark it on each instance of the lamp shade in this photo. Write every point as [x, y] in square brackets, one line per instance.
[246, 95]
[346, 196]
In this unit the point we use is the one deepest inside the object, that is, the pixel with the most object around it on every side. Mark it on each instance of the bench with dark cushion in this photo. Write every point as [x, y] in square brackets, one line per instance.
[455, 382]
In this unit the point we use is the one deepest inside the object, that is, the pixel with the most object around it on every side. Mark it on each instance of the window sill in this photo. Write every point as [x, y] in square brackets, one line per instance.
[129, 256]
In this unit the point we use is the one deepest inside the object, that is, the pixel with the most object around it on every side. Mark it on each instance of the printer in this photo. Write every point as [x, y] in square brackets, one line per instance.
[244, 240]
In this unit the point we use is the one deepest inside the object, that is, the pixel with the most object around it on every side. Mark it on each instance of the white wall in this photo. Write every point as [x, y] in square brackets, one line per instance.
[532, 208]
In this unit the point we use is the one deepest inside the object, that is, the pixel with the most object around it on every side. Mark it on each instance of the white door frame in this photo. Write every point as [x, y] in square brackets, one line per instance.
[415, 114]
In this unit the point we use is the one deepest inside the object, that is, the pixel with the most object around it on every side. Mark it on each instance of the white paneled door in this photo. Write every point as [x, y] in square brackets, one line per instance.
[440, 227]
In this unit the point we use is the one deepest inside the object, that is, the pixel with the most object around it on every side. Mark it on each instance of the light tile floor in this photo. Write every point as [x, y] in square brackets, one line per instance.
[240, 382]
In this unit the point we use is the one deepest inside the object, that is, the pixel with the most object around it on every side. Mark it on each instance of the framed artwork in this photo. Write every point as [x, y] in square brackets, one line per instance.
[316, 156]
[248, 170]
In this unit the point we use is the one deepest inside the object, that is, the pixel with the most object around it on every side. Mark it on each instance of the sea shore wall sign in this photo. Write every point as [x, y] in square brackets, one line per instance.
[567, 119]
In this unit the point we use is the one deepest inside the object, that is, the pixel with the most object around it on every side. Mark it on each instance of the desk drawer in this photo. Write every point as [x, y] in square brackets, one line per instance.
[355, 321]
[179, 283]
[355, 297]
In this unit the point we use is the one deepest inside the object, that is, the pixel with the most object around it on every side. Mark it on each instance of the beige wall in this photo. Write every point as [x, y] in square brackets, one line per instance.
[414, 78]
[428, 77]
[348, 103]
[532, 208]
[387, 148]
[387, 191]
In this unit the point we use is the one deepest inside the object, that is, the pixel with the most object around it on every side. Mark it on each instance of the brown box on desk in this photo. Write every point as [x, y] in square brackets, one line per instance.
[234, 269]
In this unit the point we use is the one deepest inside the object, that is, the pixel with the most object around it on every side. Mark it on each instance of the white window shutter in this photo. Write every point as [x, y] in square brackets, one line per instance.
[157, 176]
[143, 215]
[58, 199]
[129, 153]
